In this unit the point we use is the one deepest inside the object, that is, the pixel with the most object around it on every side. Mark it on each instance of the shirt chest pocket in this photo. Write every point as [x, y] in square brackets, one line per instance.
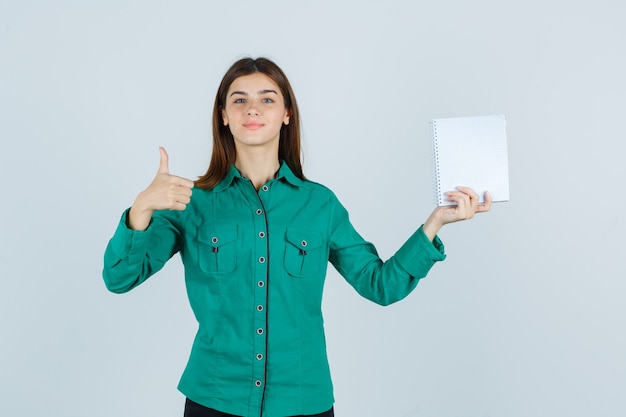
[304, 253]
[217, 249]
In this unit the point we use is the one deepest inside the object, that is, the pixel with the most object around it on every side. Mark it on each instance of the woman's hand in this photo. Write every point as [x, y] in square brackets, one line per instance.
[166, 192]
[466, 207]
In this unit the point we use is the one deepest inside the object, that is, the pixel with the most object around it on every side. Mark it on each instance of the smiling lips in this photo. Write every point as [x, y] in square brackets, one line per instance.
[253, 125]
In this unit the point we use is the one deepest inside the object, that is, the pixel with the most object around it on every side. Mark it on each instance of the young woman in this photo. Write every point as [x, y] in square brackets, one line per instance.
[255, 237]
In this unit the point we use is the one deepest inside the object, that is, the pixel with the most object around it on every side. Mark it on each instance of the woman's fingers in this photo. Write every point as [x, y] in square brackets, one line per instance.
[467, 203]
[167, 192]
[464, 205]
[183, 182]
[487, 205]
[173, 193]
[164, 162]
[473, 198]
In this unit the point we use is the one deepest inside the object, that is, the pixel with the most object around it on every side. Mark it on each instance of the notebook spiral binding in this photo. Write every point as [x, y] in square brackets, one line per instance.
[436, 182]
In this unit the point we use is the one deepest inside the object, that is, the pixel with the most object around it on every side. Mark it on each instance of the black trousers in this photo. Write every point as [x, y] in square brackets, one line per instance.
[193, 409]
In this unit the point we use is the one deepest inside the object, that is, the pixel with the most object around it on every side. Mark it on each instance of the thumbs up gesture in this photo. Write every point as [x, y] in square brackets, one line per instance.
[166, 192]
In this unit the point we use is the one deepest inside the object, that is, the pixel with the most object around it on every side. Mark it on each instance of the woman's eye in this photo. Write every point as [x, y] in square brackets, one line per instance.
[268, 100]
[240, 100]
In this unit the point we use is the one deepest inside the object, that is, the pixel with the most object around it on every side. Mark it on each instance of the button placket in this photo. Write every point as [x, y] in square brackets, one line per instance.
[260, 292]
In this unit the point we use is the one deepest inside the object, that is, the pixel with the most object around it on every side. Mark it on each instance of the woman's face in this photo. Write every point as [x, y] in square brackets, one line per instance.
[255, 111]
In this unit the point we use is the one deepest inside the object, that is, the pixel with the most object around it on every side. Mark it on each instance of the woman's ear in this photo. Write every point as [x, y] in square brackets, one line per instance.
[224, 117]
[286, 118]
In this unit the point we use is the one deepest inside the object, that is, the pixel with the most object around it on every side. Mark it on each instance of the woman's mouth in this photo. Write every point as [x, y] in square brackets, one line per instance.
[253, 125]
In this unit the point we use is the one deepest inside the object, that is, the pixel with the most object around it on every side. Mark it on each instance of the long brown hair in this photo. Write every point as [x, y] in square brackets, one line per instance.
[223, 154]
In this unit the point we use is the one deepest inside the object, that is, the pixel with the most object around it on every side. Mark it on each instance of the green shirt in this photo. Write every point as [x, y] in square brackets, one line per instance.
[255, 264]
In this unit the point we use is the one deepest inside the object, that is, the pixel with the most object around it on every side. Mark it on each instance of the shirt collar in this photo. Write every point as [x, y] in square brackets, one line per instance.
[284, 172]
[228, 179]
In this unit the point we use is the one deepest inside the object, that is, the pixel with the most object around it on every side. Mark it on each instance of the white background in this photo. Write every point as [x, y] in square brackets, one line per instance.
[525, 317]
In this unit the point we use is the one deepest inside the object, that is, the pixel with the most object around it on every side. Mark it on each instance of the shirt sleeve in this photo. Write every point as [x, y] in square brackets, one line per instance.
[381, 282]
[132, 256]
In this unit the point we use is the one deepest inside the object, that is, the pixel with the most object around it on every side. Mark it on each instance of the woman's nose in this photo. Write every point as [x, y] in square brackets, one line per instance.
[253, 110]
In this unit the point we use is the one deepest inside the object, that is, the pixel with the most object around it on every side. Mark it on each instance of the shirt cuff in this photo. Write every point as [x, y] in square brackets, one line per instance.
[419, 254]
[128, 243]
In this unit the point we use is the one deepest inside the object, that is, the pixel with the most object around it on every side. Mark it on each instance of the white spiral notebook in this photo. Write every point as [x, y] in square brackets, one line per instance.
[471, 152]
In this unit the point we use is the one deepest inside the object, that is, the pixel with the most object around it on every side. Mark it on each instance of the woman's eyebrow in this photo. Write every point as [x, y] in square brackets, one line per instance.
[243, 93]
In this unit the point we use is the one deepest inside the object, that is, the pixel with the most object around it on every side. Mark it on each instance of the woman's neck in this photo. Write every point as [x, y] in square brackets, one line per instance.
[257, 167]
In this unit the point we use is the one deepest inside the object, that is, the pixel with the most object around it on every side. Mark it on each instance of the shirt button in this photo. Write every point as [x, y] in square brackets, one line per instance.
[259, 211]
[260, 283]
[259, 330]
[261, 235]
[304, 243]
[262, 260]
[257, 383]
[259, 357]
[265, 188]
[214, 239]
[259, 307]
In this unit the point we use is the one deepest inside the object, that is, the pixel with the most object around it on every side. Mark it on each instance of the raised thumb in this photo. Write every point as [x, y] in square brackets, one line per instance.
[163, 165]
